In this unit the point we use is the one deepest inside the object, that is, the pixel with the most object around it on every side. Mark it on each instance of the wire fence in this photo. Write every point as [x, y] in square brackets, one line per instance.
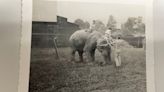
[45, 40]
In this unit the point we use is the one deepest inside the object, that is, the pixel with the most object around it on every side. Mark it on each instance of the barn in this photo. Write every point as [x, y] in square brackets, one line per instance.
[44, 32]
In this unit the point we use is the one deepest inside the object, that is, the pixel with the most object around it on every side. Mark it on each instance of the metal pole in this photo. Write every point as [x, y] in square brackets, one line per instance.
[56, 49]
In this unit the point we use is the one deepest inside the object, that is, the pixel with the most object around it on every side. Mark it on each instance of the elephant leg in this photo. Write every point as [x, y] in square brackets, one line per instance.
[73, 55]
[89, 56]
[80, 55]
[93, 55]
[109, 61]
[107, 57]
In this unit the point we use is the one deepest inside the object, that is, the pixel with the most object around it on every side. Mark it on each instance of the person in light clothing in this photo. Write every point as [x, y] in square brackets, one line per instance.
[108, 33]
[117, 52]
[108, 37]
[92, 27]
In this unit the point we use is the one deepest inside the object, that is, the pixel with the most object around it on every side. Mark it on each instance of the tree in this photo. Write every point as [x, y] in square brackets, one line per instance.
[82, 24]
[86, 25]
[99, 26]
[139, 26]
[111, 23]
[133, 26]
[127, 27]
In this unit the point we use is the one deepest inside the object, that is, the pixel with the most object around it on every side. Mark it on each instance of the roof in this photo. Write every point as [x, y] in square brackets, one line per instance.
[55, 23]
[43, 22]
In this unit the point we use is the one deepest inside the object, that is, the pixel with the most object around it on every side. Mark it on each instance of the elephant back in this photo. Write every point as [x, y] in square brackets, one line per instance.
[92, 40]
[78, 39]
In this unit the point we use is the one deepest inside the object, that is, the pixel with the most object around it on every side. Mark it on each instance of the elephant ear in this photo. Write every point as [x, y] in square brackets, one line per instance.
[101, 42]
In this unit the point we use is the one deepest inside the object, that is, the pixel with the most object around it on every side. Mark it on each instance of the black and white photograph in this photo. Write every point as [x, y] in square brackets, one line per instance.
[88, 47]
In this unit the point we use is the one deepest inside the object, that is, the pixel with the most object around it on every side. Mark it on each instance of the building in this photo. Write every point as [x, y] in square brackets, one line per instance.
[44, 32]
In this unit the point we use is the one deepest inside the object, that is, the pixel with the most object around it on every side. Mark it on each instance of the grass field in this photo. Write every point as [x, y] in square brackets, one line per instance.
[51, 75]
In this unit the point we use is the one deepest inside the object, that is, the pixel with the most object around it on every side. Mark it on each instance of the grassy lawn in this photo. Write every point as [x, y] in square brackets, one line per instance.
[51, 75]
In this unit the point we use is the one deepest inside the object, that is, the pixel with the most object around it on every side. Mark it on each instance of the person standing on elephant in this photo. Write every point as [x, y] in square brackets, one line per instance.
[92, 27]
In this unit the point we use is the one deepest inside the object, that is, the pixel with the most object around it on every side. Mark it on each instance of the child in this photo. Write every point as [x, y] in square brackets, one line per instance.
[92, 27]
[108, 37]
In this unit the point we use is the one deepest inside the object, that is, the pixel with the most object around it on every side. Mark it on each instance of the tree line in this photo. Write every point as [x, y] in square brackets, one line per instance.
[133, 26]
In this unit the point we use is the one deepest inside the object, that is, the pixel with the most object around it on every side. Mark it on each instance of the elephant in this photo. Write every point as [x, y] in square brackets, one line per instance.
[77, 42]
[87, 42]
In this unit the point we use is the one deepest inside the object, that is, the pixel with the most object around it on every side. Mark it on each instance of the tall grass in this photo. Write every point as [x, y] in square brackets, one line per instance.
[51, 75]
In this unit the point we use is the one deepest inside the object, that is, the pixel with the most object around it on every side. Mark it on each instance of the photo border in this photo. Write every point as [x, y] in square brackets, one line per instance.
[25, 51]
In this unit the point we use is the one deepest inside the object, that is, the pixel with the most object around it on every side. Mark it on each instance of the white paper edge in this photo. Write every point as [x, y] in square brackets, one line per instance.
[150, 47]
[24, 65]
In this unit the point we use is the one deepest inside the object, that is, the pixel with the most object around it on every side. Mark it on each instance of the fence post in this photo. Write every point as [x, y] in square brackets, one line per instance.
[56, 49]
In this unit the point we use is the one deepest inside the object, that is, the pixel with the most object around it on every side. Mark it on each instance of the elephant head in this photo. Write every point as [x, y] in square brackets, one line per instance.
[105, 48]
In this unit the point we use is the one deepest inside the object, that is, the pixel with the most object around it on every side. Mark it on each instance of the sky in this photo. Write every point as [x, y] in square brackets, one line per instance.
[88, 11]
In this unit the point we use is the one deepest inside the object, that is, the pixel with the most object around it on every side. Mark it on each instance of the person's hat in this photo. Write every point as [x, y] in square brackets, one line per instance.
[108, 32]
